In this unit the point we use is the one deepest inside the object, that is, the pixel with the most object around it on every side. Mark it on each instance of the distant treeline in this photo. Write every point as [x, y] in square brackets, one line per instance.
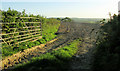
[66, 19]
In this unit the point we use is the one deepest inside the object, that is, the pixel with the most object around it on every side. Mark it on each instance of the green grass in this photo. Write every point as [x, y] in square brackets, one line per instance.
[49, 27]
[56, 60]
[66, 52]
[48, 33]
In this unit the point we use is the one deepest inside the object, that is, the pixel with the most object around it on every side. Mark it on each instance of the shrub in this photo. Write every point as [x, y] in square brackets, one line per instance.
[107, 53]
[49, 27]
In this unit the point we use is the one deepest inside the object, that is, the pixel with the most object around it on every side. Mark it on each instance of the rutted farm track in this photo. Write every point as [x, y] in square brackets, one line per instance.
[67, 33]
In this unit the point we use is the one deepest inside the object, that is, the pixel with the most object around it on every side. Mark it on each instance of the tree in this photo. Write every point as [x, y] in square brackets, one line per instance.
[23, 12]
[66, 19]
[59, 19]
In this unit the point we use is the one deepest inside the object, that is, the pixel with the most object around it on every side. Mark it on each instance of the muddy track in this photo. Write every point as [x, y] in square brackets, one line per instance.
[65, 36]
[82, 61]
[67, 33]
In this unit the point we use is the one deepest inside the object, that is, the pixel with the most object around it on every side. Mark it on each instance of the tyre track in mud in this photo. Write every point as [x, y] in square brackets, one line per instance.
[82, 61]
[65, 36]
[67, 32]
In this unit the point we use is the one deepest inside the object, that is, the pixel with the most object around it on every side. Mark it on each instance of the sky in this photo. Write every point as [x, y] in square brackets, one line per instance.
[64, 8]
[119, 7]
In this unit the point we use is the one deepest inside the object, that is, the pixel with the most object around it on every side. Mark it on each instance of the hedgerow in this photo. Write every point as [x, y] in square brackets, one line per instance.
[49, 27]
[107, 53]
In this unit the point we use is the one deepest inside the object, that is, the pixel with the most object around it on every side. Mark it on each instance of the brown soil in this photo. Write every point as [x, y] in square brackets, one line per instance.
[67, 33]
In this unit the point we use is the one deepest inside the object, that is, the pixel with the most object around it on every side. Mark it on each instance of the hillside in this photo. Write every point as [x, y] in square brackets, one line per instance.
[87, 20]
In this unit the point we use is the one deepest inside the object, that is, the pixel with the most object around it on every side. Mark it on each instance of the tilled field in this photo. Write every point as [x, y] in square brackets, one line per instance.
[67, 33]
[82, 61]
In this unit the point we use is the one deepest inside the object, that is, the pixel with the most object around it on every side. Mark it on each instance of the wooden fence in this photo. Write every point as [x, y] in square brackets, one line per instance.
[29, 31]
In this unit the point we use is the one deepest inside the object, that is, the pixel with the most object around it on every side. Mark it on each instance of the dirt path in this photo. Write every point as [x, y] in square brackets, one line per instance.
[67, 33]
[83, 59]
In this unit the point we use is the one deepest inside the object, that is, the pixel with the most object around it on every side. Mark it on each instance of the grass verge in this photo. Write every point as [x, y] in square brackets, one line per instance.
[56, 60]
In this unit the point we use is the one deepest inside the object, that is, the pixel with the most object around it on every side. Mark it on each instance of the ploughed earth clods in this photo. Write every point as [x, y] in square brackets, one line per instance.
[68, 32]
[82, 61]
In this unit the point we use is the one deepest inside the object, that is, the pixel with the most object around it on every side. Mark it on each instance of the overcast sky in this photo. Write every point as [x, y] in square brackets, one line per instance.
[63, 8]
